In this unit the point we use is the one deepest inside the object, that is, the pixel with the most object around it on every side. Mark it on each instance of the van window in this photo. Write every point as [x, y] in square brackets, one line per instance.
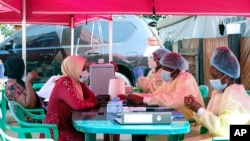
[38, 36]
[122, 31]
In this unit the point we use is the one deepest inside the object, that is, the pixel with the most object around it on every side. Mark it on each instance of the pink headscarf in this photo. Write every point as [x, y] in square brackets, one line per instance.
[72, 67]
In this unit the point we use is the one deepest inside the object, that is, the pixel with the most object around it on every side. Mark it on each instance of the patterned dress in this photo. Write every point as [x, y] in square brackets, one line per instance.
[13, 90]
[62, 101]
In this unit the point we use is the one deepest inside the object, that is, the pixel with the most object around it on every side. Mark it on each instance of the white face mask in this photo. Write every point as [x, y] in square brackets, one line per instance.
[217, 85]
[166, 75]
[152, 64]
[84, 76]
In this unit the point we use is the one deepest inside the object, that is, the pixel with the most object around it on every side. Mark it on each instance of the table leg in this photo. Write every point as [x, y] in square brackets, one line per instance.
[111, 137]
[90, 137]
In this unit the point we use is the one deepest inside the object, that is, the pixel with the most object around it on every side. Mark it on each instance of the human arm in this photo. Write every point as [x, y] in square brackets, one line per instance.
[26, 97]
[88, 94]
[171, 94]
[30, 93]
[66, 92]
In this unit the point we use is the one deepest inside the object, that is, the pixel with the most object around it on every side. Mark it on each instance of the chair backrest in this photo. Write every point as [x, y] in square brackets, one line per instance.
[37, 86]
[24, 128]
[248, 92]
[204, 90]
[18, 111]
[3, 106]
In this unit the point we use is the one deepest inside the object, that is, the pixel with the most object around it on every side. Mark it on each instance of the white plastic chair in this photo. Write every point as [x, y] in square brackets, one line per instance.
[6, 137]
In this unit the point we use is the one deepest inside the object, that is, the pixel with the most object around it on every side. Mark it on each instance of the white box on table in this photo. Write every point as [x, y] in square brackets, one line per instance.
[114, 107]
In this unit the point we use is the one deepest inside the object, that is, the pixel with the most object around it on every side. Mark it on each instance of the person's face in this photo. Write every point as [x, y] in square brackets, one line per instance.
[167, 69]
[215, 74]
[174, 72]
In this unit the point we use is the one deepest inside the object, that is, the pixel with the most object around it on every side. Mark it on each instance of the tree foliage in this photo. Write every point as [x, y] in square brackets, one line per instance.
[6, 30]
[155, 17]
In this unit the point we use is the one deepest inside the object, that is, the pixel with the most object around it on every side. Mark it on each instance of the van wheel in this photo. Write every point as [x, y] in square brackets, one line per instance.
[119, 75]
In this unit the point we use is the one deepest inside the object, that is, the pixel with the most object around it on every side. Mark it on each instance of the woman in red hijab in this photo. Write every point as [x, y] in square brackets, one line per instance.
[68, 94]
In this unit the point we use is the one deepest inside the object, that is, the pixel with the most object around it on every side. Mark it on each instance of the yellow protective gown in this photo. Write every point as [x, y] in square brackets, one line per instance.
[150, 83]
[172, 93]
[224, 108]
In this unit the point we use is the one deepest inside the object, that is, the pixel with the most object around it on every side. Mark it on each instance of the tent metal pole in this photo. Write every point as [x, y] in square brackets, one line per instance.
[110, 40]
[72, 35]
[24, 36]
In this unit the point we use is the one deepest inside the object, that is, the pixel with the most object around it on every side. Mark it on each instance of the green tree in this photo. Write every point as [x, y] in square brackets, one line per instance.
[6, 30]
[155, 17]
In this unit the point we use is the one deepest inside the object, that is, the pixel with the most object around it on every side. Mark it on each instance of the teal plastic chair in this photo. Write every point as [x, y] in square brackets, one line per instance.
[204, 93]
[204, 90]
[37, 86]
[248, 92]
[5, 137]
[3, 108]
[19, 113]
[39, 111]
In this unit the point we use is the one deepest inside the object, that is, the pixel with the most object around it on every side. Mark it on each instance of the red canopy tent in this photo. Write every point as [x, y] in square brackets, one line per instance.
[67, 12]
[38, 10]
[162, 7]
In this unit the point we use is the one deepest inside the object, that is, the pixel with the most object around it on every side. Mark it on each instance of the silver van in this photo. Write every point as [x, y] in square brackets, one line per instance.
[48, 45]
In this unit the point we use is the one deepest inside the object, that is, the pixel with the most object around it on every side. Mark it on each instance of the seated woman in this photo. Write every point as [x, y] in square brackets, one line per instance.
[153, 80]
[18, 90]
[68, 94]
[229, 103]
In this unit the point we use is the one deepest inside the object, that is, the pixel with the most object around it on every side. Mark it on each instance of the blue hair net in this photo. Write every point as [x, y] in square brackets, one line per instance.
[161, 51]
[225, 61]
[174, 61]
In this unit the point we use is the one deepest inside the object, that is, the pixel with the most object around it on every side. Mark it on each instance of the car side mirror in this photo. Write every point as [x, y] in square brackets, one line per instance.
[9, 45]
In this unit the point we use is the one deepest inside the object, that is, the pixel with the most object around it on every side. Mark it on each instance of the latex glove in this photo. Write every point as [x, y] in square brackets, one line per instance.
[122, 96]
[135, 99]
[191, 103]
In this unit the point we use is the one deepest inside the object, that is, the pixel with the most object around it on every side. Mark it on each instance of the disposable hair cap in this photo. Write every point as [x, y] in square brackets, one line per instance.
[174, 61]
[161, 51]
[225, 61]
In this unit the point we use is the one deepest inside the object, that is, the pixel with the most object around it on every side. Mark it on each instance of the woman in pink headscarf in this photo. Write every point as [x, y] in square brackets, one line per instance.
[68, 94]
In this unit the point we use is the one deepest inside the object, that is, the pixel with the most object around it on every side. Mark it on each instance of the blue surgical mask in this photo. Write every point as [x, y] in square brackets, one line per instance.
[217, 85]
[166, 75]
[84, 76]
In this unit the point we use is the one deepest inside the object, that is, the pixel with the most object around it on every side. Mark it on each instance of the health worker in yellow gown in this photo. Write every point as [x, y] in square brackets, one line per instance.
[153, 80]
[177, 84]
[229, 103]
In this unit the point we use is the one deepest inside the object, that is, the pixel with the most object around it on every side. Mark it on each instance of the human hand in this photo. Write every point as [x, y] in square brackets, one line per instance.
[191, 103]
[122, 96]
[32, 75]
[135, 99]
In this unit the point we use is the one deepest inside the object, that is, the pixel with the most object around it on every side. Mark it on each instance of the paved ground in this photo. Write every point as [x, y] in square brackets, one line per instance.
[10, 120]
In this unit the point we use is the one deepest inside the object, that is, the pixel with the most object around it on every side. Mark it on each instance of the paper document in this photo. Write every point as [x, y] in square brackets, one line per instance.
[47, 88]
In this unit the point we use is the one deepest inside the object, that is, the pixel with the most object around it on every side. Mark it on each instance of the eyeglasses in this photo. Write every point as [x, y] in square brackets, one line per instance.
[152, 58]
